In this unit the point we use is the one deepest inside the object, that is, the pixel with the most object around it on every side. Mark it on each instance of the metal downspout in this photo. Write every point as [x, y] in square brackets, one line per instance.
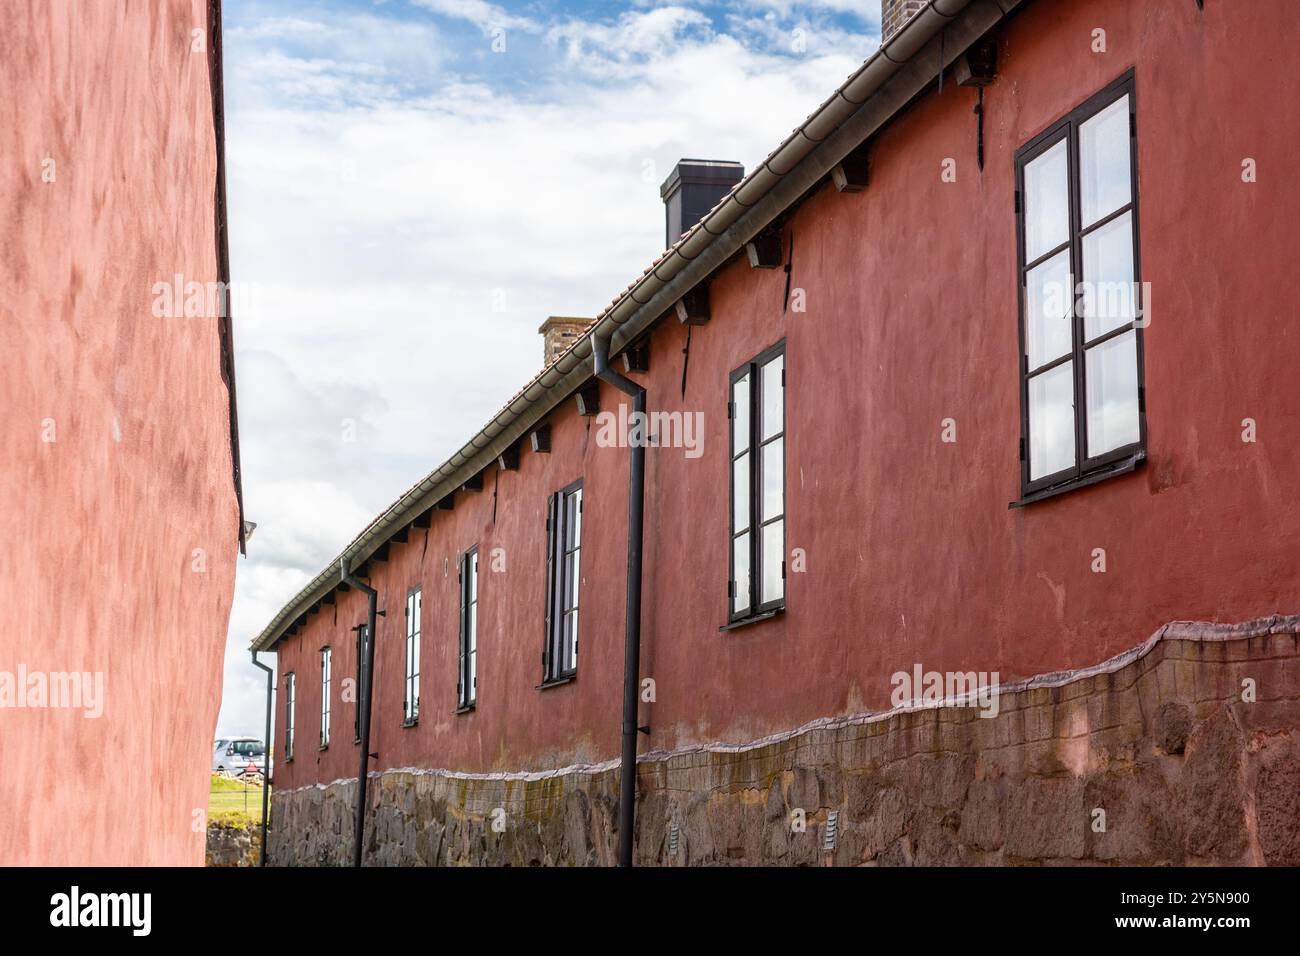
[367, 672]
[266, 757]
[632, 643]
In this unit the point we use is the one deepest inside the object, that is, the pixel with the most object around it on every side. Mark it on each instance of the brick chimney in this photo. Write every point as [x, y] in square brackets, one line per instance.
[559, 332]
[894, 14]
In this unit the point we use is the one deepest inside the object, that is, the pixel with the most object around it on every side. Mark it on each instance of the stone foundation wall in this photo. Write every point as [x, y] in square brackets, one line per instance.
[233, 845]
[1160, 756]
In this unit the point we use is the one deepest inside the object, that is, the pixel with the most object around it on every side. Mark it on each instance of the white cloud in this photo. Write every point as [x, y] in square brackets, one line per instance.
[486, 16]
[634, 37]
[407, 222]
[867, 11]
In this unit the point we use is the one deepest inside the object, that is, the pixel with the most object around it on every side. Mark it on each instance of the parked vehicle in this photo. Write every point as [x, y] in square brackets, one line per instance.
[239, 756]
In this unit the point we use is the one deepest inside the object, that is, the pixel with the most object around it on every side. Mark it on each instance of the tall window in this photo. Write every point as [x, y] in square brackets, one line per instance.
[564, 543]
[363, 645]
[290, 701]
[757, 413]
[326, 660]
[467, 690]
[411, 704]
[1081, 383]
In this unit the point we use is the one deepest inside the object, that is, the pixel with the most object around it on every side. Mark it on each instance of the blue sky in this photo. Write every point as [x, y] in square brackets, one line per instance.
[416, 184]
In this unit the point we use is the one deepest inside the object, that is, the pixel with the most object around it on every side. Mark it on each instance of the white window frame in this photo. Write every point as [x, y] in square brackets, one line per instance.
[411, 697]
[326, 674]
[290, 717]
[563, 582]
[753, 448]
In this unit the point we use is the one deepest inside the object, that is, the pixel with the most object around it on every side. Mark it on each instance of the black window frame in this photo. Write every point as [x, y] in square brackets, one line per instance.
[412, 613]
[290, 714]
[559, 658]
[467, 684]
[1086, 469]
[326, 682]
[362, 631]
[753, 368]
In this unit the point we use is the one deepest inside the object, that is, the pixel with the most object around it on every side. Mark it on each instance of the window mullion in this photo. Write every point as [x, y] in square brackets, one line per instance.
[755, 483]
[559, 662]
[1076, 276]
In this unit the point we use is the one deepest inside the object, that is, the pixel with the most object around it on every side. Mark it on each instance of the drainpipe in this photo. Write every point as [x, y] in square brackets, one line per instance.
[632, 643]
[266, 757]
[367, 670]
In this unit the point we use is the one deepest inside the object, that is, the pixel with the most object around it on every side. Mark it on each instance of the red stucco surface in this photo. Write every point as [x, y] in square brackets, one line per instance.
[912, 553]
[100, 527]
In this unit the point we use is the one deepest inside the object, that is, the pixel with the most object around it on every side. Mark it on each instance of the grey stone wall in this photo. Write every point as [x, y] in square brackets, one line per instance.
[230, 845]
[1156, 758]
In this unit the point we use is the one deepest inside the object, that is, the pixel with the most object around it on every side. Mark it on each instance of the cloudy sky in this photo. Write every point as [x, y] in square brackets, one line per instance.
[416, 184]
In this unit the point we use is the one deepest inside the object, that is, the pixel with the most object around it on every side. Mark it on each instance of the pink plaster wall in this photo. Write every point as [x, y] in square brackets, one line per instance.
[100, 527]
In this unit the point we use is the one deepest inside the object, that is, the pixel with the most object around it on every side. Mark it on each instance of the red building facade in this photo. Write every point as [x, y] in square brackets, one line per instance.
[908, 524]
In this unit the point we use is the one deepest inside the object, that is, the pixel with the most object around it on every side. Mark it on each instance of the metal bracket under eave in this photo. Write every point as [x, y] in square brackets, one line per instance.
[636, 358]
[978, 66]
[693, 307]
[541, 439]
[764, 250]
[588, 399]
[508, 460]
[850, 173]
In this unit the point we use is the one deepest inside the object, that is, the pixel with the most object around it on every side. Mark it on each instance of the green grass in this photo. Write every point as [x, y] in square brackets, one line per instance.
[233, 803]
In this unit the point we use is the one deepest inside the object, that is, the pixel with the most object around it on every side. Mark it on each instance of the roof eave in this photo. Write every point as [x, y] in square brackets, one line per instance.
[876, 92]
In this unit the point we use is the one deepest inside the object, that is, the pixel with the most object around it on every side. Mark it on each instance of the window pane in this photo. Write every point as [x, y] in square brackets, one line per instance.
[571, 573]
[740, 479]
[570, 519]
[773, 585]
[773, 458]
[575, 523]
[1047, 210]
[740, 584]
[570, 625]
[1047, 310]
[1104, 178]
[1108, 294]
[773, 398]
[1051, 421]
[1111, 372]
[473, 576]
[740, 423]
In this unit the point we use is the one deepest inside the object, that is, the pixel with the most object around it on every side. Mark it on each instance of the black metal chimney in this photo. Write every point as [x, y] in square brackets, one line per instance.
[694, 187]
